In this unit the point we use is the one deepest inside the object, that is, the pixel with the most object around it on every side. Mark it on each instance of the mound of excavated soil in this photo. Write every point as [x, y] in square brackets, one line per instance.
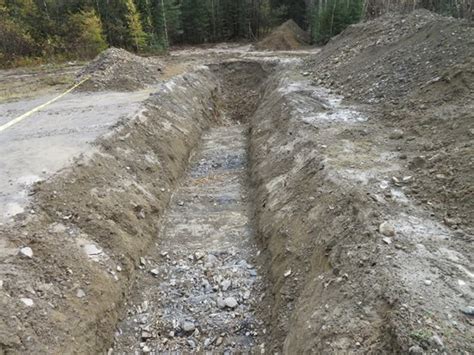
[286, 37]
[119, 70]
[418, 70]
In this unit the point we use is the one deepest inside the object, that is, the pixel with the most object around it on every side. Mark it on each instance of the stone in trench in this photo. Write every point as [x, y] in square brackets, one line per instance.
[27, 302]
[199, 255]
[396, 134]
[220, 302]
[231, 302]
[387, 229]
[226, 285]
[469, 310]
[27, 252]
[91, 250]
[188, 326]
[146, 335]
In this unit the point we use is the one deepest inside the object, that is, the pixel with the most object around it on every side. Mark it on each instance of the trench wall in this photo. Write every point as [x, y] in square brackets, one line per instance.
[311, 228]
[94, 221]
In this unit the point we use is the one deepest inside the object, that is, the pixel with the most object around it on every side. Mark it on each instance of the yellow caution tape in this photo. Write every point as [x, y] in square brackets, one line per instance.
[25, 115]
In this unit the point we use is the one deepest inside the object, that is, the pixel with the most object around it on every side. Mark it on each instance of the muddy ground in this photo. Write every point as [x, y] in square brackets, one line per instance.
[263, 201]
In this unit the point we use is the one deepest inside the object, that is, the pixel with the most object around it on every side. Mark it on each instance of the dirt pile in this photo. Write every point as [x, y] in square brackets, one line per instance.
[118, 70]
[418, 70]
[287, 36]
[386, 59]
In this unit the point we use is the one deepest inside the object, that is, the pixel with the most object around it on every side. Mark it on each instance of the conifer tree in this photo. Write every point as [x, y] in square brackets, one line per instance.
[135, 29]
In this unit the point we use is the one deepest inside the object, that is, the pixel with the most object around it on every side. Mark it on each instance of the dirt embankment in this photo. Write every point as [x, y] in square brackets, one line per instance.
[418, 70]
[89, 225]
[355, 264]
[287, 36]
[118, 70]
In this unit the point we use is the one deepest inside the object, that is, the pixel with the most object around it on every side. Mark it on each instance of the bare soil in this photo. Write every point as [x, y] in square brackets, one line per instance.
[264, 203]
[288, 36]
[116, 69]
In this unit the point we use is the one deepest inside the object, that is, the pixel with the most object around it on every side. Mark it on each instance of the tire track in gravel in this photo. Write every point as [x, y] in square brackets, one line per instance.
[198, 288]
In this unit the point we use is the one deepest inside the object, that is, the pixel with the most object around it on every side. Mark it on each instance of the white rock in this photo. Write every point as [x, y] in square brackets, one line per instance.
[287, 273]
[80, 293]
[27, 301]
[387, 229]
[387, 240]
[231, 302]
[226, 285]
[154, 272]
[428, 282]
[26, 251]
[221, 302]
[92, 250]
[188, 326]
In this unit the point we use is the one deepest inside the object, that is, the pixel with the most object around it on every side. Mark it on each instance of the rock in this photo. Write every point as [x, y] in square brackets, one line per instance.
[146, 335]
[387, 229]
[226, 285]
[154, 272]
[287, 273]
[396, 134]
[188, 326]
[191, 343]
[219, 341]
[26, 252]
[198, 255]
[436, 341]
[231, 302]
[181, 203]
[451, 222]
[80, 293]
[142, 261]
[417, 163]
[91, 250]
[246, 295]
[146, 349]
[387, 240]
[428, 282]
[469, 310]
[417, 350]
[27, 301]
[220, 302]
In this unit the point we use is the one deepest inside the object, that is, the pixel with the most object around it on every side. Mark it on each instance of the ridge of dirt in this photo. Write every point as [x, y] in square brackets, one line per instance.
[417, 69]
[287, 36]
[356, 266]
[88, 226]
[119, 70]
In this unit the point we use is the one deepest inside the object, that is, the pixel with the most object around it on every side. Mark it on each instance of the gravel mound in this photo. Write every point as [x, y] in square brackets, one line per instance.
[387, 58]
[286, 37]
[119, 70]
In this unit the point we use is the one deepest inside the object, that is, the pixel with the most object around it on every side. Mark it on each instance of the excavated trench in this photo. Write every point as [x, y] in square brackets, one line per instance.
[228, 215]
[199, 286]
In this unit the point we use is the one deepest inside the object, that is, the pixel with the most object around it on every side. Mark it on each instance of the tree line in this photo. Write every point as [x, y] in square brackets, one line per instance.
[71, 29]
[79, 29]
